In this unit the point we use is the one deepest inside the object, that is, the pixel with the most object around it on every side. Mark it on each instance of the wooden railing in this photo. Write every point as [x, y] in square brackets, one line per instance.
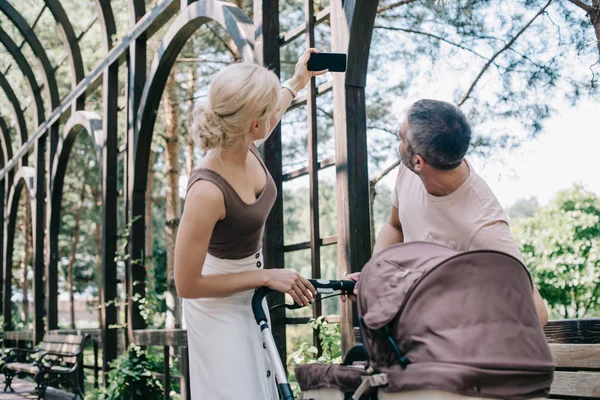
[168, 338]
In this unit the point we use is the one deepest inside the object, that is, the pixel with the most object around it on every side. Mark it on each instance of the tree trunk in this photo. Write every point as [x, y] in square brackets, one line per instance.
[149, 226]
[72, 255]
[190, 159]
[170, 102]
[27, 242]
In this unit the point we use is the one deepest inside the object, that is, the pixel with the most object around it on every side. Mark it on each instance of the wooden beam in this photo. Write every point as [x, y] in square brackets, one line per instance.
[326, 241]
[301, 100]
[160, 337]
[295, 33]
[326, 163]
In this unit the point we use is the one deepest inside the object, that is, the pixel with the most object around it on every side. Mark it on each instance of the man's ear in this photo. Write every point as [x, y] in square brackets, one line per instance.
[418, 162]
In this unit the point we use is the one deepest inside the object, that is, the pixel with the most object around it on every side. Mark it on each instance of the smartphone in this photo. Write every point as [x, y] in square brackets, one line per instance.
[334, 62]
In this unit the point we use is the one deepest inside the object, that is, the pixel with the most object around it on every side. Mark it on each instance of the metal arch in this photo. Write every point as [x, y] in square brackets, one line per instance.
[24, 178]
[106, 17]
[5, 141]
[25, 68]
[137, 9]
[6, 145]
[37, 48]
[230, 17]
[78, 122]
[71, 45]
[241, 29]
[14, 101]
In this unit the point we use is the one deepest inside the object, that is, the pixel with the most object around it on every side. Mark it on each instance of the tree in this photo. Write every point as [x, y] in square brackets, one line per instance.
[523, 208]
[561, 246]
[171, 106]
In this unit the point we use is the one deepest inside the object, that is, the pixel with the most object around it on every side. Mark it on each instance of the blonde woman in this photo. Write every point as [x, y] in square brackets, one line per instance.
[218, 259]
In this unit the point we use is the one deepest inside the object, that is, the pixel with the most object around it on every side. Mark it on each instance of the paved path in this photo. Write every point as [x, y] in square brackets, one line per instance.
[25, 390]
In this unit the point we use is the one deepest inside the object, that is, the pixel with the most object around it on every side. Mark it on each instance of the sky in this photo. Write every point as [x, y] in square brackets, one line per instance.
[565, 153]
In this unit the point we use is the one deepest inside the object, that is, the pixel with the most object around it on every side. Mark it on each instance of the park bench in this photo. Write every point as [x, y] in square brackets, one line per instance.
[57, 360]
[575, 347]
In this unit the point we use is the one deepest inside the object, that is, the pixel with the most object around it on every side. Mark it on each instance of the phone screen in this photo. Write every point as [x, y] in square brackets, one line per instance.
[334, 62]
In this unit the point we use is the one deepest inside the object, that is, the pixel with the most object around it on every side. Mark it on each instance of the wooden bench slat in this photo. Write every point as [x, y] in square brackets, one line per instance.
[585, 356]
[56, 338]
[25, 367]
[573, 331]
[577, 384]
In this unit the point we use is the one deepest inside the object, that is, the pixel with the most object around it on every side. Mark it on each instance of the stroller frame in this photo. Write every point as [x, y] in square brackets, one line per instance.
[322, 286]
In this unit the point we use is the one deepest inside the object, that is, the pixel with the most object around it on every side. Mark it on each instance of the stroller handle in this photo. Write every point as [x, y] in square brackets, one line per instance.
[321, 285]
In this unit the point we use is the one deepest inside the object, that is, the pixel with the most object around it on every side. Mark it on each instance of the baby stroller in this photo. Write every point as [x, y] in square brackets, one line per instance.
[440, 324]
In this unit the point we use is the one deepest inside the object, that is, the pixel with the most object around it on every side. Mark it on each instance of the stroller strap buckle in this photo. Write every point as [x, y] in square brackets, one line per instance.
[368, 382]
[378, 380]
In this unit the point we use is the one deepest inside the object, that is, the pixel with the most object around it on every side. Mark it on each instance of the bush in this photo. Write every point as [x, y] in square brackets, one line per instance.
[133, 369]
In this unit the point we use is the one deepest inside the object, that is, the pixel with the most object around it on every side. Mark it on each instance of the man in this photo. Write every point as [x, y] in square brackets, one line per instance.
[438, 197]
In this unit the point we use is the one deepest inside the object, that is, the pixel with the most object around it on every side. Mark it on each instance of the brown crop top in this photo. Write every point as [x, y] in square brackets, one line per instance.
[239, 234]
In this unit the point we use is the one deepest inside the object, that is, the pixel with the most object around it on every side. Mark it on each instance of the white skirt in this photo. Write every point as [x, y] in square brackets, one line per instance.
[227, 357]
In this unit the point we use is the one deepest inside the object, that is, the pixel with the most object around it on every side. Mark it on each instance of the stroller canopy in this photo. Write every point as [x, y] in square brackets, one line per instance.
[466, 322]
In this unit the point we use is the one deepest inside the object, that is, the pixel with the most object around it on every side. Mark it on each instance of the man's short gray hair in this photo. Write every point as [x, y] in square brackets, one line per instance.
[438, 132]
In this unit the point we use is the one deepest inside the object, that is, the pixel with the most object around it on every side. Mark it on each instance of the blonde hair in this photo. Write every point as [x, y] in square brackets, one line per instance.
[239, 94]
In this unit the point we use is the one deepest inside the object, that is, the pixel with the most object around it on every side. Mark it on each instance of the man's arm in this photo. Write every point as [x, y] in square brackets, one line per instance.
[498, 237]
[391, 233]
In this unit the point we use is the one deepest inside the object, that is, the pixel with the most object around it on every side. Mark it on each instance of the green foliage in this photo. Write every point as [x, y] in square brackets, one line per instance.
[330, 340]
[132, 371]
[561, 245]
[306, 353]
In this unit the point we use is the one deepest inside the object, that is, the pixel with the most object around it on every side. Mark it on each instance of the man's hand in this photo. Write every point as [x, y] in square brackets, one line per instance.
[351, 277]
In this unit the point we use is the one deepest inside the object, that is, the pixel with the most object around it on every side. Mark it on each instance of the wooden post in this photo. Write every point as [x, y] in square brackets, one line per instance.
[351, 23]
[51, 242]
[313, 166]
[2, 226]
[136, 72]
[266, 47]
[109, 218]
[7, 271]
[167, 372]
[38, 227]
[185, 374]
